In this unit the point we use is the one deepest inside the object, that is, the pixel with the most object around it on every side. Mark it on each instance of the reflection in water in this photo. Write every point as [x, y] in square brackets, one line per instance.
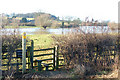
[85, 29]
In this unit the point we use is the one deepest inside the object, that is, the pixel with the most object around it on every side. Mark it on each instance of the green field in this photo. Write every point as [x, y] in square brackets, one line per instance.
[41, 41]
[27, 27]
[20, 26]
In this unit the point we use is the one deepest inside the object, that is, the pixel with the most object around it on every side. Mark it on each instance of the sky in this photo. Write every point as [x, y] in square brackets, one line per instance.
[97, 9]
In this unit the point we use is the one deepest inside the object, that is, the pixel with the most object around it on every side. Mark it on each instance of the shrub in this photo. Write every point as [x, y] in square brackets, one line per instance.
[11, 40]
[86, 49]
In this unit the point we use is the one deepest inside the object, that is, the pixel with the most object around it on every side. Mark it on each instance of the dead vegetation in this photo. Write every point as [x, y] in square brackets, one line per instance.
[91, 52]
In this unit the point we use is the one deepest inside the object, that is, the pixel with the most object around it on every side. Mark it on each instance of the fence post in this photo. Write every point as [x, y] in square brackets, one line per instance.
[39, 65]
[28, 52]
[31, 53]
[56, 57]
[17, 66]
[62, 27]
[24, 52]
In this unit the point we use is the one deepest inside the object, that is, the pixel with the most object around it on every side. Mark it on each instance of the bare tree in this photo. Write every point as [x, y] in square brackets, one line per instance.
[44, 20]
[76, 22]
[69, 19]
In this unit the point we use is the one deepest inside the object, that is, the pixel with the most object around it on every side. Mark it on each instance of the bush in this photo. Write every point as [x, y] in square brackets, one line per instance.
[86, 49]
[11, 41]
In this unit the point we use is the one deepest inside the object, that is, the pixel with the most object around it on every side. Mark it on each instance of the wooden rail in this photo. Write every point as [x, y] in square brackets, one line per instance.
[43, 55]
[44, 49]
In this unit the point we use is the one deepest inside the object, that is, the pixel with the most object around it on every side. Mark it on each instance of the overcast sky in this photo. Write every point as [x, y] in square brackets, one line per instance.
[97, 9]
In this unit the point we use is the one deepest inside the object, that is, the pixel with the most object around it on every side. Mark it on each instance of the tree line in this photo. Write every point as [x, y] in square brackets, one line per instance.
[45, 20]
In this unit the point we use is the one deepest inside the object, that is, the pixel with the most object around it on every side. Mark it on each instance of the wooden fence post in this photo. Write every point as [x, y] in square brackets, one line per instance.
[39, 65]
[56, 58]
[28, 52]
[62, 27]
[24, 52]
[17, 66]
[31, 53]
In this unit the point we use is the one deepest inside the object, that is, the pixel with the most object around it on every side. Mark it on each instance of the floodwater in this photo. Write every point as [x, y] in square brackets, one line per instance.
[84, 29]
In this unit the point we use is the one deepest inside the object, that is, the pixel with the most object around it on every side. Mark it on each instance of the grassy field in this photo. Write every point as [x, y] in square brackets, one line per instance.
[25, 27]
[20, 27]
[41, 41]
